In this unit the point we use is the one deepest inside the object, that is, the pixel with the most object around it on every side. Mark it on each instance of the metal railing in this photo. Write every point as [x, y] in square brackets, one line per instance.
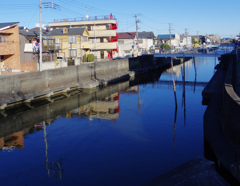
[85, 19]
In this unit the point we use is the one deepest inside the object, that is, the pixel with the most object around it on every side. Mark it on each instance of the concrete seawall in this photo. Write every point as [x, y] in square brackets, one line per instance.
[26, 119]
[231, 105]
[31, 85]
[221, 120]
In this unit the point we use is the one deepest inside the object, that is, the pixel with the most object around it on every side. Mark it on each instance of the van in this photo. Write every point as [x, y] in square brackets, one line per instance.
[60, 58]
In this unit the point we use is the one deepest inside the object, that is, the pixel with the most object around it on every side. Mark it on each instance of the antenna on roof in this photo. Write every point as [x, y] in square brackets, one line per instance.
[86, 14]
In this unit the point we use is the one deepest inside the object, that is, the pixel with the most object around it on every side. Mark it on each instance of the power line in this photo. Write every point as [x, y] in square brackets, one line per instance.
[32, 17]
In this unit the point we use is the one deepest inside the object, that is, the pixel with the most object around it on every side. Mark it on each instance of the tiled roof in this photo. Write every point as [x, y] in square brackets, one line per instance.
[71, 31]
[165, 36]
[32, 33]
[146, 35]
[3, 25]
[126, 35]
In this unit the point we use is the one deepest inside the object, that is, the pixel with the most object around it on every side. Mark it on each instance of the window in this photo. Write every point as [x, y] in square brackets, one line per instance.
[94, 40]
[72, 52]
[127, 51]
[50, 42]
[44, 42]
[84, 38]
[1, 58]
[140, 41]
[101, 40]
[57, 40]
[72, 39]
[121, 42]
[95, 54]
[89, 28]
[2, 39]
[107, 26]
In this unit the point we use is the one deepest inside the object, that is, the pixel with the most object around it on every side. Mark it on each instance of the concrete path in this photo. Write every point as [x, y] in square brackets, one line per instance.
[196, 172]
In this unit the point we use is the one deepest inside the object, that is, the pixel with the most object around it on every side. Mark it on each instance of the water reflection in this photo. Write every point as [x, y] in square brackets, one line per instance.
[184, 93]
[107, 108]
[143, 137]
[13, 141]
[53, 168]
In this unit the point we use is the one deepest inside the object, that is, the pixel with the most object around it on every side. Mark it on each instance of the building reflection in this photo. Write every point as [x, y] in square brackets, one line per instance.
[97, 104]
[107, 108]
[13, 141]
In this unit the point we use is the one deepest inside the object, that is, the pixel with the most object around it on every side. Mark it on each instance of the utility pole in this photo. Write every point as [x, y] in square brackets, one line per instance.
[170, 36]
[174, 87]
[137, 21]
[186, 39]
[197, 37]
[45, 5]
[40, 44]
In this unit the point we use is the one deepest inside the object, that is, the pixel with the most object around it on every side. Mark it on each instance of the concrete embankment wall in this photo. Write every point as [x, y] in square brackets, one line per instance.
[25, 86]
[231, 105]
[50, 111]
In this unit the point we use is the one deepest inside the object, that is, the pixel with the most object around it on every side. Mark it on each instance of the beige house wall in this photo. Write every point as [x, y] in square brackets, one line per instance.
[65, 45]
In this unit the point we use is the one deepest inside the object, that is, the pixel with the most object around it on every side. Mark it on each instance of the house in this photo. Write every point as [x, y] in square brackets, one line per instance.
[9, 46]
[71, 42]
[102, 34]
[165, 39]
[186, 40]
[145, 42]
[126, 44]
[214, 38]
[29, 48]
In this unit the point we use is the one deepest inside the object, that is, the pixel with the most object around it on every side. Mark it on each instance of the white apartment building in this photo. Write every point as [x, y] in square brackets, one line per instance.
[103, 37]
[127, 44]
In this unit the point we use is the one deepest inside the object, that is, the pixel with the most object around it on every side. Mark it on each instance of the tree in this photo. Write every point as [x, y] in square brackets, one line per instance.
[194, 41]
[90, 57]
[85, 58]
[163, 46]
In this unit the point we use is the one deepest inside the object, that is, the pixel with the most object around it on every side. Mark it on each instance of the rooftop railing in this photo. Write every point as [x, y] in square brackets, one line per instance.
[85, 19]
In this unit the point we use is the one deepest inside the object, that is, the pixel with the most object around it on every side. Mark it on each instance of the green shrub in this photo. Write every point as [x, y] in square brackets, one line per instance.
[90, 57]
[164, 46]
[85, 58]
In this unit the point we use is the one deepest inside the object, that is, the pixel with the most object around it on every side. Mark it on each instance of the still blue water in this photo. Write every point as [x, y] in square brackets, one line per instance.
[128, 138]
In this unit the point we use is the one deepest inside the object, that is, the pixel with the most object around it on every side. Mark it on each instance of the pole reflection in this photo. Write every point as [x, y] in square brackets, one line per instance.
[184, 93]
[175, 124]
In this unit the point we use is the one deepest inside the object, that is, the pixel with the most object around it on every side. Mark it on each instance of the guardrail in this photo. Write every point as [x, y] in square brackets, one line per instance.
[85, 19]
[219, 51]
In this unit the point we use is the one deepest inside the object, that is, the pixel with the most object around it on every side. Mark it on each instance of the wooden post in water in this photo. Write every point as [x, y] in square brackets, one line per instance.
[184, 94]
[195, 80]
[175, 125]
[175, 96]
[174, 87]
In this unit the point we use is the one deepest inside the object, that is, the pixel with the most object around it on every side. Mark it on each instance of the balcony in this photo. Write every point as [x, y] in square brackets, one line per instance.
[99, 46]
[58, 46]
[99, 20]
[103, 33]
[94, 18]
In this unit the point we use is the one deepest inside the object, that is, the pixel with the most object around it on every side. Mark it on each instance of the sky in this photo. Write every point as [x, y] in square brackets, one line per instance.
[203, 17]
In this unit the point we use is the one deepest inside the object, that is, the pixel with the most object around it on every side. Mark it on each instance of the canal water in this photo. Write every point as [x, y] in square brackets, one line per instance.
[124, 134]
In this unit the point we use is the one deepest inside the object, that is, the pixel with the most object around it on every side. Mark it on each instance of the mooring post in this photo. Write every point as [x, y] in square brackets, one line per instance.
[174, 87]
